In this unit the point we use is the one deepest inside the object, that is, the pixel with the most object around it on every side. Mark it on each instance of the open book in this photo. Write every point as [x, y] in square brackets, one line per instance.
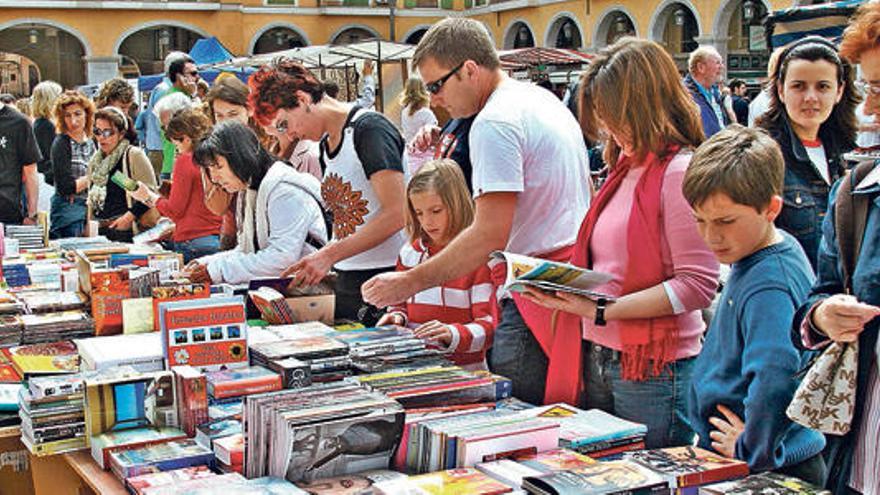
[525, 271]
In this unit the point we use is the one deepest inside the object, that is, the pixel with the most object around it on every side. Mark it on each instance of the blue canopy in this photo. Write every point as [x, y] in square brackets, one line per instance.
[209, 51]
[147, 83]
[826, 19]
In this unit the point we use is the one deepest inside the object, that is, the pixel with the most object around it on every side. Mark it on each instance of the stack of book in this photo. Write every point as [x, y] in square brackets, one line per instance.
[175, 454]
[10, 330]
[43, 359]
[9, 303]
[191, 388]
[272, 306]
[141, 351]
[45, 301]
[52, 327]
[28, 236]
[77, 243]
[438, 386]
[764, 484]
[374, 350]
[327, 357]
[688, 468]
[52, 417]
[469, 439]
[214, 430]
[139, 484]
[229, 452]
[15, 272]
[450, 482]
[225, 384]
[512, 471]
[611, 477]
[45, 274]
[320, 431]
[594, 432]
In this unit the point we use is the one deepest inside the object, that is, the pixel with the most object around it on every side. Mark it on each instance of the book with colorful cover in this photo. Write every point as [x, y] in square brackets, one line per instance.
[121, 403]
[230, 450]
[166, 456]
[109, 289]
[222, 484]
[208, 334]
[192, 397]
[224, 384]
[525, 271]
[225, 410]
[690, 466]
[272, 306]
[55, 447]
[9, 396]
[555, 460]
[137, 484]
[177, 291]
[611, 477]
[580, 427]
[44, 359]
[457, 482]
[208, 433]
[8, 374]
[508, 471]
[113, 441]
[764, 484]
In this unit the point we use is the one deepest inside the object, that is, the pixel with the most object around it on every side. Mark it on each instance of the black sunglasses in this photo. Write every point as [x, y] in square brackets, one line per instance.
[193, 73]
[104, 133]
[437, 85]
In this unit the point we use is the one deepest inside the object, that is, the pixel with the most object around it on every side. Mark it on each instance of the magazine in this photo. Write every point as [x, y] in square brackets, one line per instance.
[525, 271]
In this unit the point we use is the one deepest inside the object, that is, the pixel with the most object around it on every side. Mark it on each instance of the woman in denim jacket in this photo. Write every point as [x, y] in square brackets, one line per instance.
[812, 117]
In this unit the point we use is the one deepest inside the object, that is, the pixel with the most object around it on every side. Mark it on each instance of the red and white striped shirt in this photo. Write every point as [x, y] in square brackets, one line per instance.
[465, 304]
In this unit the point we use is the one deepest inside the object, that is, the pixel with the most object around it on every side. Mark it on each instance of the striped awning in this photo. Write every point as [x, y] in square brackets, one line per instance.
[826, 19]
[521, 58]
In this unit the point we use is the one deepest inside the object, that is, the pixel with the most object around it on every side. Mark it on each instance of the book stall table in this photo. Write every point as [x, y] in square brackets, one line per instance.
[74, 473]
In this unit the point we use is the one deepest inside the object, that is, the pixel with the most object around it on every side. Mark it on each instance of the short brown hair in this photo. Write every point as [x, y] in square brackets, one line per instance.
[453, 40]
[445, 178]
[68, 98]
[863, 32]
[190, 122]
[745, 164]
[634, 86]
[116, 89]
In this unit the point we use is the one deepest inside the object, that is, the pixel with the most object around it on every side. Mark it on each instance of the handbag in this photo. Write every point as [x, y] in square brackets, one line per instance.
[151, 217]
[825, 399]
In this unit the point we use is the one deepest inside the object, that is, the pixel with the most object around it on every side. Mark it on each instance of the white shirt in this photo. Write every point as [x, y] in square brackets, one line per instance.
[412, 123]
[758, 106]
[820, 160]
[526, 141]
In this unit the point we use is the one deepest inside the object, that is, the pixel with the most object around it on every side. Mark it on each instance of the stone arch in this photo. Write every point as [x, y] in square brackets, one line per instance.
[510, 34]
[721, 22]
[57, 52]
[252, 45]
[658, 19]
[351, 27]
[606, 23]
[556, 24]
[417, 31]
[153, 24]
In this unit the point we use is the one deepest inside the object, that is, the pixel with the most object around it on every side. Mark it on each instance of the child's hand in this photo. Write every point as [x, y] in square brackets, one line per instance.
[435, 331]
[390, 319]
[727, 432]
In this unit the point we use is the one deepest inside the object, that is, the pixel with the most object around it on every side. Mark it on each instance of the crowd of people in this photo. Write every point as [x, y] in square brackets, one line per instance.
[278, 177]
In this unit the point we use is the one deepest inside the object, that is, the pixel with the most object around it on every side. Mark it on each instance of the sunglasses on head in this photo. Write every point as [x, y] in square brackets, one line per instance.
[437, 85]
[105, 133]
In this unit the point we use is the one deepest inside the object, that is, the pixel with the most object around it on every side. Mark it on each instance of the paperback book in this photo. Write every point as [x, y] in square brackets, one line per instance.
[209, 334]
[525, 271]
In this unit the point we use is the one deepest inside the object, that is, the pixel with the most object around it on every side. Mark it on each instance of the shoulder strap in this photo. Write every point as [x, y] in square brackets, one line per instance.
[126, 170]
[850, 218]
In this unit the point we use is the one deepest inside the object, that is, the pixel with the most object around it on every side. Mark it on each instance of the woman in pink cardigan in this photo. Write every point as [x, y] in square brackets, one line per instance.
[639, 349]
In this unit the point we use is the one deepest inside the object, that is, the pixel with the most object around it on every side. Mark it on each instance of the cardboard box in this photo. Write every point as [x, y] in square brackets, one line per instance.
[89, 261]
[313, 308]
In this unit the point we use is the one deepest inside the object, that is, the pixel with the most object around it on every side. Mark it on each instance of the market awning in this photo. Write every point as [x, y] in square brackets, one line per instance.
[826, 19]
[521, 58]
[208, 51]
[333, 55]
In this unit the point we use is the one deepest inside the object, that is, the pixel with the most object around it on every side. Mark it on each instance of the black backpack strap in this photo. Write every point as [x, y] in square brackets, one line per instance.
[850, 219]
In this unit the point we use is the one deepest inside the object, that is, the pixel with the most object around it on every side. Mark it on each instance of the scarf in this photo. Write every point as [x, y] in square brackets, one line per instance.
[648, 344]
[247, 233]
[100, 167]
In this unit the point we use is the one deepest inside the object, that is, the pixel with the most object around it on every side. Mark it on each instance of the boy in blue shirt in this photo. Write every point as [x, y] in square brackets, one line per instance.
[746, 375]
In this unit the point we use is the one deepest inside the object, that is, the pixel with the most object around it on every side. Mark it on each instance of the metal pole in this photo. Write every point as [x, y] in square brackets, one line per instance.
[381, 90]
[392, 6]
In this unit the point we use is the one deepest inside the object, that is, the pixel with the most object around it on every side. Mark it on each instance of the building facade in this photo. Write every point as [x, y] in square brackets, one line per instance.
[88, 41]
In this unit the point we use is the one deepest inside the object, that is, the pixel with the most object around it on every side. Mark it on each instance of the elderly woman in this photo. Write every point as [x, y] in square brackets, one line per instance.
[116, 213]
[279, 220]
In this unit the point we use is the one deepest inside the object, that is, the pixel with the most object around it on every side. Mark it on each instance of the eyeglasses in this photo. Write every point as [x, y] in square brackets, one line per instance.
[437, 85]
[868, 87]
[104, 133]
[193, 73]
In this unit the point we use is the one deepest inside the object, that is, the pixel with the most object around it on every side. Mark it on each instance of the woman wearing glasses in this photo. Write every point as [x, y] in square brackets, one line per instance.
[812, 118]
[363, 178]
[115, 212]
[70, 154]
[279, 216]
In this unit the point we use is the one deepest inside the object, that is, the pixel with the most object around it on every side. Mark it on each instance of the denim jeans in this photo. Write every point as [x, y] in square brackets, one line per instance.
[657, 402]
[517, 355]
[349, 299]
[195, 248]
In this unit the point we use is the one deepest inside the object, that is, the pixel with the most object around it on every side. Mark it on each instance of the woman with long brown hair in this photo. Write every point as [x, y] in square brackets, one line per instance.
[639, 349]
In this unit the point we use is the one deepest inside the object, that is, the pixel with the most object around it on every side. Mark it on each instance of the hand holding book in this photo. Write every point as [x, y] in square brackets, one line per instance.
[562, 301]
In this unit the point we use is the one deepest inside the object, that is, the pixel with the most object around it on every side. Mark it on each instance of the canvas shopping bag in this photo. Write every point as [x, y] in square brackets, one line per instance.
[825, 399]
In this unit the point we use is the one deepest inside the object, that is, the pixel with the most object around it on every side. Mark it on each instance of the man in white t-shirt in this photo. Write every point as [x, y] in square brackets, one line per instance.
[530, 183]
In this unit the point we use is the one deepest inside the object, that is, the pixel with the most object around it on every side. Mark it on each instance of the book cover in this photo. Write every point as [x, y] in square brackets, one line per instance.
[106, 443]
[223, 484]
[294, 373]
[612, 477]
[176, 291]
[457, 482]
[192, 398]
[166, 456]
[109, 289]
[524, 271]
[206, 333]
[582, 428]
[55, 385]
[555, 460]
[137, 315]
[121, 403]
[8, 374]
[230, 450]
[764, 484]
[208, 433]
[137, 484]
[44, 359]
[141, 351]
[362, 483]
[223, 384]
[690, 466]
[272, 306]
[508, 471]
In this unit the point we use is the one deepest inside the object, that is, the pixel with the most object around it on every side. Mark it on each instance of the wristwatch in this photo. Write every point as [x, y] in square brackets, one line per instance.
[601, 304]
